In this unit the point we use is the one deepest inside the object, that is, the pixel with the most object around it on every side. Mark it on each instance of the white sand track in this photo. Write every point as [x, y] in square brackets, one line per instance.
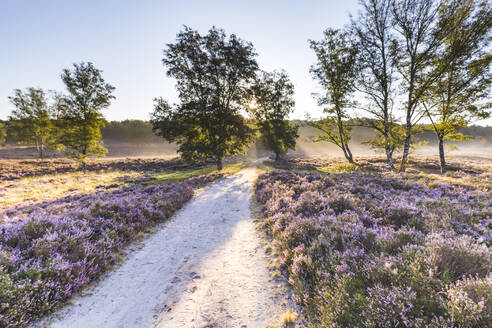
[205, 268]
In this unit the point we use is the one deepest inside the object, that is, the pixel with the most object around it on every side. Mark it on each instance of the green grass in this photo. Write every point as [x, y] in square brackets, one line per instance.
[267, 166]
[289, 318]
[341, 168]
[176, 176]
[32, 190]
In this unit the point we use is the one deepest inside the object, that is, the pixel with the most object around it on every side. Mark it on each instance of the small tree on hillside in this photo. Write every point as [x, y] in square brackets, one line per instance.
[31, 121]
[457, 97]
[272, 103]
[336, 72]
[213, 74]
[80, 114]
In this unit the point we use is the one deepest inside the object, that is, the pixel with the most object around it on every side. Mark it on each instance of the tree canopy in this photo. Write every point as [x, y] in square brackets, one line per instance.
[272, 102]
[80, 110]
[31, 120]
[460, 94]
[335, 71]
[213, 73]
[375, 41]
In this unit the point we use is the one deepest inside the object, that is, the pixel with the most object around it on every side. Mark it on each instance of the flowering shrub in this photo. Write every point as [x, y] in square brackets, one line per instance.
[49, 252]
[371, 250]
[470, 302]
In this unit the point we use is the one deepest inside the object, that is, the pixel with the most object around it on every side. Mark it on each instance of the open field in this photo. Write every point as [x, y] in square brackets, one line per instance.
[350, 240]
[115, 149]
[365, 247]
[61, 231]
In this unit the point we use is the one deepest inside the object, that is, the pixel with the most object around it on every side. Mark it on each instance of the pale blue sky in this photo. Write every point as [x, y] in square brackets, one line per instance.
[125, 39]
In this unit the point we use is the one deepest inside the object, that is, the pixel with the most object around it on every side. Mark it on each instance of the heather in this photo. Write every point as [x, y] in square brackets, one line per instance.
[382, 250]
[14, 169]
[470, 171]
[50, 251]
[37, 190]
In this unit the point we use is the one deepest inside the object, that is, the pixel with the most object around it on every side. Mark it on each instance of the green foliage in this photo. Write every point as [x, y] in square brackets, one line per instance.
[181, 175]
[391, 141]
[462, 93]
[80, 116]
[341, 168]
[331, 132]
[32, 121]
[278, 136]
[336, 72]
[3, 133]
[272, 102]
[213, 73]
[419, 40]
[133, 131]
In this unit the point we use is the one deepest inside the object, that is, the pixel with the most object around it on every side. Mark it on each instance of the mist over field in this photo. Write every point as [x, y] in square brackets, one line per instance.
[136, 139]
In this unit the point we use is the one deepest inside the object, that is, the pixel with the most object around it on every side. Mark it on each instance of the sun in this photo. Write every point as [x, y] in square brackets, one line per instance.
[253, 104]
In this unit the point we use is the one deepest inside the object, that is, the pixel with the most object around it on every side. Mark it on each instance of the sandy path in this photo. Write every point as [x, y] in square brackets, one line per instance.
[205, 268]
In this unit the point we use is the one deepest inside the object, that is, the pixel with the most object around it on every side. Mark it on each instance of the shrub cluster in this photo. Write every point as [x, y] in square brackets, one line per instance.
[50, 252]
[364, 250]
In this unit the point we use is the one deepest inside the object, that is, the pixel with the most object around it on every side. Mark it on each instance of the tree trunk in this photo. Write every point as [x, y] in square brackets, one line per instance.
[219, 164]
[389, 158]
[348, 155]
[441, 155]
[387, 147]
[277, 156]
[84, 159]
[41, 149]
[344, 145]
[406, 150]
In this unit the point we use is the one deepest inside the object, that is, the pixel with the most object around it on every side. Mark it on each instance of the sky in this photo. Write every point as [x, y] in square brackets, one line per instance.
[125, 39]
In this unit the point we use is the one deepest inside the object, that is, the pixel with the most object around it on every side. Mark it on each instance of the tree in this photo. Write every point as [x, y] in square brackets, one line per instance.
[336, 72]
[213, 73]
[375, 43]
[457, 97]
[3, 133]
[390, 141]
[272, 103]
[80, 114]
[420, 40]
[31, 121]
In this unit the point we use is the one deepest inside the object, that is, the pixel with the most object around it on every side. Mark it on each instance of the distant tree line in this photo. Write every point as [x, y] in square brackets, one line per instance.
[131, 131]
[140, 132]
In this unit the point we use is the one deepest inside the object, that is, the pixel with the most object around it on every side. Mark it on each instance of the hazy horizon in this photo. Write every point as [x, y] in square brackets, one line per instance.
[125, 39]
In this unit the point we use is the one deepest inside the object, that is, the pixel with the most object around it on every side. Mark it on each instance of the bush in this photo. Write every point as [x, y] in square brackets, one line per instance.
[369, 251]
